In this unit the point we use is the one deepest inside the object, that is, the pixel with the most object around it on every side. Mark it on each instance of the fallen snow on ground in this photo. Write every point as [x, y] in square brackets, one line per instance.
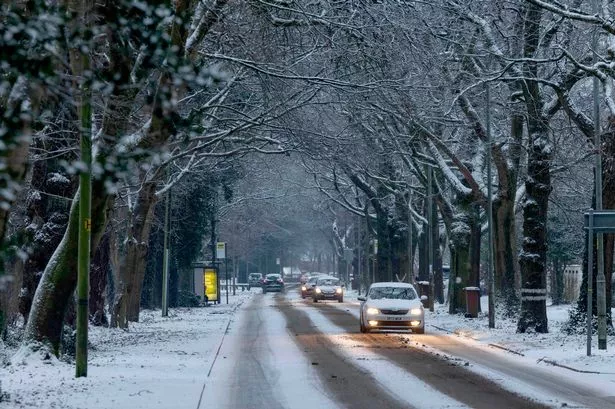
[556, 347]
[132, 369]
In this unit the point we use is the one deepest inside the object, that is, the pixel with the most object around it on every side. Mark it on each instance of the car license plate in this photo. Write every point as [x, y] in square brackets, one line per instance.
[388, 318]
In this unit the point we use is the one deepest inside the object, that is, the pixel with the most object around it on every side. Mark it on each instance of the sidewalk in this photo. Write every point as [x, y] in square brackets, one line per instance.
[158, 363]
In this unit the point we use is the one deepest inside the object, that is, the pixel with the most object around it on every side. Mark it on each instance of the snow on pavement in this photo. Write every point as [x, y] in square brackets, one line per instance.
[158, 363]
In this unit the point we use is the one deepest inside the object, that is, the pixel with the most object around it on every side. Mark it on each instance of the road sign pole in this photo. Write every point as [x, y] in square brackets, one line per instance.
[590, 268]
[226, 275]
[600, 279]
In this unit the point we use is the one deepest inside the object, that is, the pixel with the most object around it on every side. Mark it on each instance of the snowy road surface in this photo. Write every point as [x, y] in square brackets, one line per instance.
[281, 352]
[285, 352]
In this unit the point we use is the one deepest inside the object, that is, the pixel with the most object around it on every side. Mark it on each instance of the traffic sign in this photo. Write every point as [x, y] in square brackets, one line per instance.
[220, 250]
[604, 221]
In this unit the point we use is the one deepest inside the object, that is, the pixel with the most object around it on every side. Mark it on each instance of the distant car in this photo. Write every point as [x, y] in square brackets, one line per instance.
[308, 287]
[304, 278]
[328, 288]
[273, 282]
[391, 306]
[255, 280]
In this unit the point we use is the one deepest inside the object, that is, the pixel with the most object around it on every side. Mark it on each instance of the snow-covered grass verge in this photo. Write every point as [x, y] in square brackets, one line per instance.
[554, 347]
[158, 363]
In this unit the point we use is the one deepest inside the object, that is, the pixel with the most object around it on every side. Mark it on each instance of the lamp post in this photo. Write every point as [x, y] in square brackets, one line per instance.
[165, 258]
[490, 272]
[600, 278]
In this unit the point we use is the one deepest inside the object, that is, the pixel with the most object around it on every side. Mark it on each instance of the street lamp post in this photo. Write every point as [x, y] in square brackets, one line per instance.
[490, 272]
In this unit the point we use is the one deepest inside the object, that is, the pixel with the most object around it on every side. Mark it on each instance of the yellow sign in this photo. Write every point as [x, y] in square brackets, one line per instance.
[210, 281]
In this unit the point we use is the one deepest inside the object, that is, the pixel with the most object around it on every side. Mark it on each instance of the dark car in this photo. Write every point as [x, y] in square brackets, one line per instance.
[308, 287]
[255, 280]
[273, 282]
[328, 288]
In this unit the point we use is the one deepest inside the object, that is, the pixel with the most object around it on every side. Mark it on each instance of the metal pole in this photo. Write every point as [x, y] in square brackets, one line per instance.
[165, 258]
[410, 252]
[85, 221]
[490, 272]
[234, 275]
[600, 278]
[590, 268]
[430, 227]
[359, 260]
[226, 275]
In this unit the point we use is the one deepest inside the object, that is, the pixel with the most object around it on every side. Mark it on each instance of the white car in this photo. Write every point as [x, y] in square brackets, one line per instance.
[392, 306]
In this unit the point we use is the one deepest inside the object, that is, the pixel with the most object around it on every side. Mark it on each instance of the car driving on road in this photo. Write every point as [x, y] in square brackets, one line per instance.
[255, 280]
[273, 282]
[308, 287]
[328, 288]
[391, 306]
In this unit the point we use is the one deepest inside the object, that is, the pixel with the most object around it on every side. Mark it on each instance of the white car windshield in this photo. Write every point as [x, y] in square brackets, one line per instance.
[328, 281]
[392, 293]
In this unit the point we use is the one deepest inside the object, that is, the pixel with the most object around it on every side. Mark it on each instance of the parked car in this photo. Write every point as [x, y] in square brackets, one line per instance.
[328, 288]
[255, 280]
[308, 287]
[273, 282]
[391, 306]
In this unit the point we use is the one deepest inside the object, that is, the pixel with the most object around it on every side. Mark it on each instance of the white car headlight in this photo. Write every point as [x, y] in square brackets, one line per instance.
[303, 288]
[339, 290]
[416, 311]
[318, 290]
[373, 311]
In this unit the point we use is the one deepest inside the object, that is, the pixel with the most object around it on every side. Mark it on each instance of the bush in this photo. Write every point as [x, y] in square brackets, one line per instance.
[187, 299]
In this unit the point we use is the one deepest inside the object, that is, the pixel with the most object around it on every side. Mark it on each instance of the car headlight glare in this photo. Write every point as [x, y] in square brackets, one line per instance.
[373, 311]
[339, 290]
[416, 311]
[318, 290]
[303, 288]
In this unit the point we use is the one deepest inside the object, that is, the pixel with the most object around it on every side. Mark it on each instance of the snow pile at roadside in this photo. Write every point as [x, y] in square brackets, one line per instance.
[556, 347]
[159, 362]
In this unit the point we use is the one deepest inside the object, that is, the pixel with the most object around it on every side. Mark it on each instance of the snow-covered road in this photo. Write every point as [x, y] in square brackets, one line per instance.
[285, 352]
[279, 351]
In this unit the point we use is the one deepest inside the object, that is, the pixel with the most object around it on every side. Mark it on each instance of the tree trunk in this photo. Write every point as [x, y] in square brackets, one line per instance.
[538, 188]
[57, 285]
[99, 271]
[505, 245]
[437, 254]
[557, 282]
[132, 268]
[460, 236]
[475, 249]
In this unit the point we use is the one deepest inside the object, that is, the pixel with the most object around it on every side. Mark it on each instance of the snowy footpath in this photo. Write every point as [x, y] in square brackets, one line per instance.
[158, 363]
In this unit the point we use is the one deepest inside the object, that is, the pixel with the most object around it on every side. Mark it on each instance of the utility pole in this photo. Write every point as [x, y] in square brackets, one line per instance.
[410, 252]
[359, 261]
[81, 68]
[165, 258]
[490, 272]
[590, 279]
[600, 278]
[430, 226]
